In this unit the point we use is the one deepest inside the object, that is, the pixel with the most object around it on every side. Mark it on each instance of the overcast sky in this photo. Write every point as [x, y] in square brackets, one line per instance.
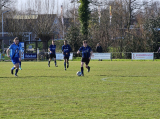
[48, 6]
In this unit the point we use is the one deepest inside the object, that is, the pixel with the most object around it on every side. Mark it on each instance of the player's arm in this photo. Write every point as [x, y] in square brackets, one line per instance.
[50, 49]
[79, 50]
[91, 54]
[20, 55]
[62, 50]
[10, 47]
[21, 50]
[55, 50]
[8, 52]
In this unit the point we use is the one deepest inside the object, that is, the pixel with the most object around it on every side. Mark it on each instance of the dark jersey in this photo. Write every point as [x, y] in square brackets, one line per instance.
[53, 49]
[66, 50]
[85, 51]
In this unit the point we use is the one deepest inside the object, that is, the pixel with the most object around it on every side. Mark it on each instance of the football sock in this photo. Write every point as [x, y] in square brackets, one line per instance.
[88, 69]
[55, 62]
[65, 65]
[82, 70]
[16, 72]
[12, 68]
[19, 63]
[49, 62]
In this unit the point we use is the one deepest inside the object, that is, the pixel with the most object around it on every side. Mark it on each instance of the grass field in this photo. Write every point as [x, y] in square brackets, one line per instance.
[112, 90]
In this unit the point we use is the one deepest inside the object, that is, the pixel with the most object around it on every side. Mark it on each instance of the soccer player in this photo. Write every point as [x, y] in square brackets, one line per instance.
[86, 56]
[14, 50]
[66, 49]
[52, 54]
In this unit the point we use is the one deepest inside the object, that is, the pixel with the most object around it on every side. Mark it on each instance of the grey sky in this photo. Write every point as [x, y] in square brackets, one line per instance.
[42, 6]
[48, 6]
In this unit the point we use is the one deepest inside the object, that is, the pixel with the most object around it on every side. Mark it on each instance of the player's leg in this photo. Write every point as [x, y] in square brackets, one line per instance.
[50, 57]
[86, 64]
[49, 62]
[65, 63]
[83, 60]
[17, 68]
[14, 67]
[82, 63]
[68, 62]
[55, 62]
[20, 64]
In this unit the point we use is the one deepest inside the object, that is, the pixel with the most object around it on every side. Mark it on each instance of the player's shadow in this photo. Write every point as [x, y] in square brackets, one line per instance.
[48, 76]
[25, 77]
[7, 77]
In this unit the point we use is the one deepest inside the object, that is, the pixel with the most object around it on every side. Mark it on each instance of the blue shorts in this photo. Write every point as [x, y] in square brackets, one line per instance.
[15, 60]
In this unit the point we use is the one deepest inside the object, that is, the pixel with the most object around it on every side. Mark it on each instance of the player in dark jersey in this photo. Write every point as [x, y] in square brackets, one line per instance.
[86, 56]
[52, 54]
[66, 49]
[15, 55]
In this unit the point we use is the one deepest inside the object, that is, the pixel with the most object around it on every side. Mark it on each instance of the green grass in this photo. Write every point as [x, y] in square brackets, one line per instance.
[112, 90]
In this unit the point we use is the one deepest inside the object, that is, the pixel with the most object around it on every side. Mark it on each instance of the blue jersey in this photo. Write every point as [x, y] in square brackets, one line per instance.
[66, 50]
[14, 51]
[85, 51]
[20, 47]
[53, 49]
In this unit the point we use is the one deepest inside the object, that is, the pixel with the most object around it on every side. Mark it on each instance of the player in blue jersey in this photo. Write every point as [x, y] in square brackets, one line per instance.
[15, 57]
[52, 54]
[86, 56]
[66, 49]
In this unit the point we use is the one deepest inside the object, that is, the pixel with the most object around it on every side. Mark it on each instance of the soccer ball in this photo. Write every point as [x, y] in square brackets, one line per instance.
[79, 73]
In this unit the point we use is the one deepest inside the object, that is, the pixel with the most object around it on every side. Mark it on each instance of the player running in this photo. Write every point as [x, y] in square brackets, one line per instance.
[52, 54]
[66, 49]
[86, 56]
[14, 50]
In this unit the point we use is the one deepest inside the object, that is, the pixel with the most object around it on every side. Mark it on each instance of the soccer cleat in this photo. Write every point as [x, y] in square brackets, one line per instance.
[20, 68]
[16, 75]
[82, 74]
[88, 69]
[11, 71]
[65, 69]
[68, 65]
[56, 65]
